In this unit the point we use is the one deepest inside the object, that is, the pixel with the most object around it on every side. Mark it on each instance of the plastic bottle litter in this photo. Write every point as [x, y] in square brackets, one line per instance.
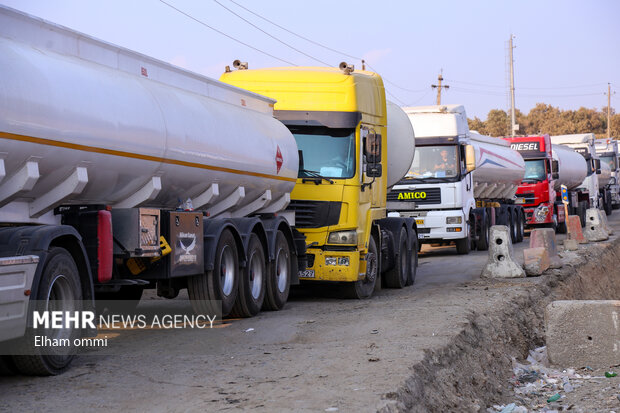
[554, 398]
[509, 409]
[610, 374]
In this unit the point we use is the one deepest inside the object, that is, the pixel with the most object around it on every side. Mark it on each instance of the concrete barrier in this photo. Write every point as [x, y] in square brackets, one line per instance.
[570, 244]
[536, 260]
[573, 229]
[545, 238]
[595, 228]
[583, 333]
[606, 223]
[501, 263]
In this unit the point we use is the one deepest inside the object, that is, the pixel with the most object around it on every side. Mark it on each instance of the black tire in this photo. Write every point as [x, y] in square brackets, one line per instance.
[7, 366]
[125, 300]
[363, 289]
[279, 276]
[413, 260]
[608, 206]
[219, 285]
[513, 225]
[463, 246]
[397, 276]
[520, 224]
[252, 281]
[485, 232]
[581, 212]
[60, 288]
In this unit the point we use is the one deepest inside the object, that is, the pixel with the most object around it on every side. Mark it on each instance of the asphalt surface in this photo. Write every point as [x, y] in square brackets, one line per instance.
[321, 353]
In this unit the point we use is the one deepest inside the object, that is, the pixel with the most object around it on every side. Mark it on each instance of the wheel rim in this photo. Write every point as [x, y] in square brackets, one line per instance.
[60, 297]
[371, 268]
[281, 271]
[227, 269]
[403, 262]
[256, 275]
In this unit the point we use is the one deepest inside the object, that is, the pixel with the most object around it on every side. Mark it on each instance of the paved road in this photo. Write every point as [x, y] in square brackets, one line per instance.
[321, 352]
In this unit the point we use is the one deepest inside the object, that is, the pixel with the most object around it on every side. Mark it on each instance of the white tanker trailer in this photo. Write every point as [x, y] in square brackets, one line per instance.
[607, 150]
[460, 181]
[597, 182]
[119, 172]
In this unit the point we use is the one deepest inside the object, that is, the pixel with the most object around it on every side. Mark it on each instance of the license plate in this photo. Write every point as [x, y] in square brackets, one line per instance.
[520, 201]
[419, 222]
[306, 274]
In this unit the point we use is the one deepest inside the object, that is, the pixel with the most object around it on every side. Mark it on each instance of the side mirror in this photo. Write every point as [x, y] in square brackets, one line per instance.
[597, 166]
[555, 169]
[374, 170]
[372, 147]
[470, 158]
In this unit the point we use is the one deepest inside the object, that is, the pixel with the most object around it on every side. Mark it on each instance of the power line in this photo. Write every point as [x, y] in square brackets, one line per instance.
[421, 98]
[530, 88]
[320, 45]
[293, 33]
[224, 34]
[270, 35]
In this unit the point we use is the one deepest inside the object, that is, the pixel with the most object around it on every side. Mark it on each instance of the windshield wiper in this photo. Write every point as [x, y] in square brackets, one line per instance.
[315, 177]
[531, 180]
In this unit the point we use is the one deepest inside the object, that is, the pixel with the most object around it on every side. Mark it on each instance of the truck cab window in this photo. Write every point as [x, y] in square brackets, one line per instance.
[434, 162]
[535, 170]
[327, 151]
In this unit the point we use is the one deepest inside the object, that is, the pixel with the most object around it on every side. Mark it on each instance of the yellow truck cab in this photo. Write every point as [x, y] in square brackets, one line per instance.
[339, 119]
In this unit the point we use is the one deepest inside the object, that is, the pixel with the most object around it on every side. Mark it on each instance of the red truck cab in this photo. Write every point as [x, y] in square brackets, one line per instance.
[536, 193]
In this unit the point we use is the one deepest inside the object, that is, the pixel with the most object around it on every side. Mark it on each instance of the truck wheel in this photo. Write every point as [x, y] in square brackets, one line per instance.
[252, 281]
[59, 288]
[125, 300]
[485, 230]
[397, 276]
[581, 212]
[413, 260]
[520, 224]
[7, 366]
[513, 225]
[221, 283]
[463, 246]
[364, 288]
[279, 277]
[608, 208]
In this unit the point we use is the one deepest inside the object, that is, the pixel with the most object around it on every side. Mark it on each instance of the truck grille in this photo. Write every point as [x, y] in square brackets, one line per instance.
[419, 196]
[315, 214]
[527, 198]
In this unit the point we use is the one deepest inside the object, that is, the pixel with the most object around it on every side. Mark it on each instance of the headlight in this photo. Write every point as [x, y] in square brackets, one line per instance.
[540, 213]
[342, 237]
[454, 220]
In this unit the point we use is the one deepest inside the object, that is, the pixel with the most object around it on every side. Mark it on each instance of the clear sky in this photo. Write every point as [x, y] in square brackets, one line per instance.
[566, 51]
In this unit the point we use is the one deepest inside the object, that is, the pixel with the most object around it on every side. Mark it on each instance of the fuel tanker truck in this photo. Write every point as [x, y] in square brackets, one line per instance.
[119, 172]
[598, 179]
[460, 182]
[547, 168]
[352, 147]
[607, 150]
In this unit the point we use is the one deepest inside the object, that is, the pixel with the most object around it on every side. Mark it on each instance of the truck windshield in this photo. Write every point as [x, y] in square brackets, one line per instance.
[434, 162]
[535, 170]
[609, 160]
[329, 152]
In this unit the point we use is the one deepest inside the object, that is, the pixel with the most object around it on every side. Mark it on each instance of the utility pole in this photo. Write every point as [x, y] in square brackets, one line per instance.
[513, 124]
[438, 86]
[609, 110]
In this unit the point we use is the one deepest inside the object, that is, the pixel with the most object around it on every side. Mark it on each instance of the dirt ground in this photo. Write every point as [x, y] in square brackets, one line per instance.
[446, 344]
